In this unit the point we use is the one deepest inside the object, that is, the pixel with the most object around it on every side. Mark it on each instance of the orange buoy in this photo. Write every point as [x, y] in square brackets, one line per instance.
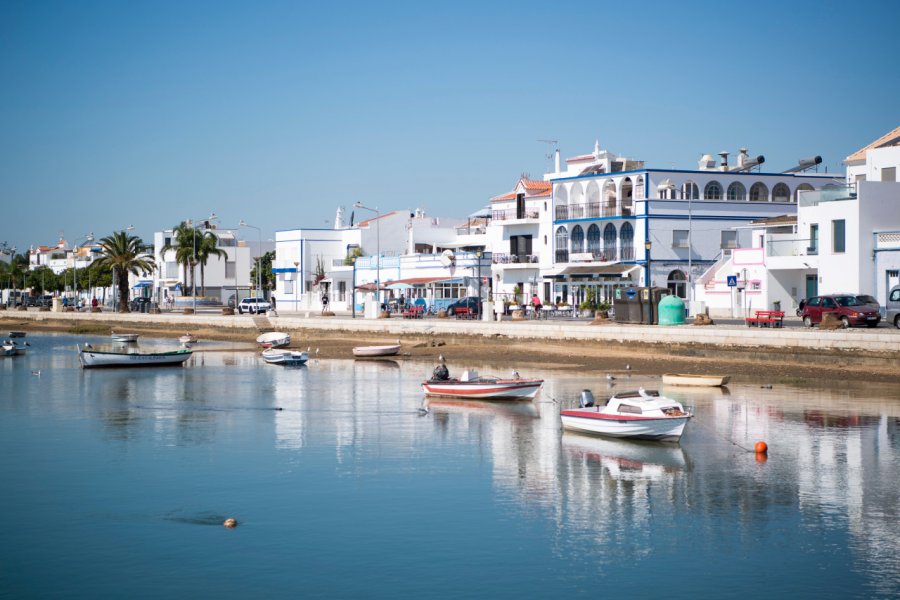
[230, 523]
[761, 448]
[761, 457]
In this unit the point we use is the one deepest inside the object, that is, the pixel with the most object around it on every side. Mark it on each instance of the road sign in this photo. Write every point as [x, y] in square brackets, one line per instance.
[732, 280]
[631, 293]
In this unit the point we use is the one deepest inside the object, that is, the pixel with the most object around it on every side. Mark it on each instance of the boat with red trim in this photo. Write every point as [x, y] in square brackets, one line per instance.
[474, 386]
[642, 414]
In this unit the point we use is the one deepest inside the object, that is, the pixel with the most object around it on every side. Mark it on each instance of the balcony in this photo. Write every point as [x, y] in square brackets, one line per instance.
[829, 193]
[514, 259]
[513, 214]
[625, 253]
[590, 210]
[792, 247]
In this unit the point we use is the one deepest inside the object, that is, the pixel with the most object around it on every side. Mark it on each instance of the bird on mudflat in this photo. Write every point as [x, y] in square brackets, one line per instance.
[441, 357]
[609, 377]
[627, 367]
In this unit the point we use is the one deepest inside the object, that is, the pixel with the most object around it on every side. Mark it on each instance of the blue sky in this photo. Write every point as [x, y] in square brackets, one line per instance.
[147, 113]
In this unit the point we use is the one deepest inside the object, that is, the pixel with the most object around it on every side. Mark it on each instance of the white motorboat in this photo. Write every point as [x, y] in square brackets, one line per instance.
[274, 339]
[91, 358]
[125, 337]
[472, 385]
[9, 348]
[285, 358]
[373, 351]
[188, 338]
[643, 415]
[695, 380]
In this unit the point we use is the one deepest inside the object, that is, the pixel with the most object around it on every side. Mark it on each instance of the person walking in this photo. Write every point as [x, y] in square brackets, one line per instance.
[536, 303]
[274, 311]
[324, 302]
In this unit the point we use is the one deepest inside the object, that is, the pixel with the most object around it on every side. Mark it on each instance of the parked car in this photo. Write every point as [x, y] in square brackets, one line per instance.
[254, 305]
[892, 309]
[852, 309]
[470, 302]
[140, 304]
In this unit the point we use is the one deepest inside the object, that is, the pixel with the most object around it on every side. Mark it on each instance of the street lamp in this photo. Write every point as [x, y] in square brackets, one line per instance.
[258, 257]
[297, 285]
[378, 249]
[647, 246]
[478, 255]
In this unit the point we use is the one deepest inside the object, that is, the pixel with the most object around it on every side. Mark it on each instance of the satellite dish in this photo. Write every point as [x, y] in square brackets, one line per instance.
[447, 258]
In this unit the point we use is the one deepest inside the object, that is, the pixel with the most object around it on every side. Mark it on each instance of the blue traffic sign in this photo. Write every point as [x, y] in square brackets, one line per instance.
[732, 280]
[631, 293]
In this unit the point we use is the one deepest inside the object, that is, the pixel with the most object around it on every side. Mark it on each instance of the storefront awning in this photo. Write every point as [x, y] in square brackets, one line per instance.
[412, 281]
[142, 284]
[615, 270]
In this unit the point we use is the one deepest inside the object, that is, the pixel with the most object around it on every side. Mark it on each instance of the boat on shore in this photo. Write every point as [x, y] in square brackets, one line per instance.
[375, 351]
[285, 358]
[641, 415]
[473, 385]
[91, 358]
[125, 337]
[695, 380]
[274, 339]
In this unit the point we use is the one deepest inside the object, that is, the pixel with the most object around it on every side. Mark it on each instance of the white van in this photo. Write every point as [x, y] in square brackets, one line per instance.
[892, 308]
[253, 306]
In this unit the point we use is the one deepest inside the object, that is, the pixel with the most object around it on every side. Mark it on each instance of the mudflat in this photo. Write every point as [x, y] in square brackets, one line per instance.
[742, 364]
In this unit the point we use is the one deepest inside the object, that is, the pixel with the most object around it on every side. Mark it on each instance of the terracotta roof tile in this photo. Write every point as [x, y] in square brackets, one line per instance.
[534, 188]
[892, 138]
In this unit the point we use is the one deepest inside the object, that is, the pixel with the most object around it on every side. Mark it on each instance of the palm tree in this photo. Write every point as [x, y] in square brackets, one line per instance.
[184, 240]
[125, 253]
[207, 247]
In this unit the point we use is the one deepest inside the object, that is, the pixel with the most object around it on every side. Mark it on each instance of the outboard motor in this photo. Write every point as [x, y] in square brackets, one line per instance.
[587, 399]
[440, 373]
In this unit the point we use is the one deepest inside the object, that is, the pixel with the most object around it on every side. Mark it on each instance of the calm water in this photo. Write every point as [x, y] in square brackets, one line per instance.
[115, 483]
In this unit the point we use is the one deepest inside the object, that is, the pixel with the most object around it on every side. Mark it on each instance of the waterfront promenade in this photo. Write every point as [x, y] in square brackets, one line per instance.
[881, 341]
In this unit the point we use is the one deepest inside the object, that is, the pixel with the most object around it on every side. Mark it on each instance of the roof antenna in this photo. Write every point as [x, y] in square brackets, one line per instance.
[554, 147]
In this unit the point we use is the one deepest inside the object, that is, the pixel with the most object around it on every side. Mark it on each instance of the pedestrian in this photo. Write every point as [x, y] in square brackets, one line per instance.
[401, 302]
[94, 302]
[65, 301]
[536, 303]
[274, 311]
[324, 303]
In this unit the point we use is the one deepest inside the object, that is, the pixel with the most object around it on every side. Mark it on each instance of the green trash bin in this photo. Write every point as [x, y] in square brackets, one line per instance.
[671, 311]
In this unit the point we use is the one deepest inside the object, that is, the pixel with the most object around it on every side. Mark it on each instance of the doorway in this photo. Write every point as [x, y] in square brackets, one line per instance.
[812, 286]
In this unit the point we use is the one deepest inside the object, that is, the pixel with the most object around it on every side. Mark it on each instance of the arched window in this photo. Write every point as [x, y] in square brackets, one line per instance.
[639, 188]
[626, 242]
[803, 187]
[712, 191]
[576, 202]
[737, 191]
[593, 241]
[561, 198]
[577, 239]
[759, 192]
[609, 242]
[690, 191]
[562, 244]
[627, 197]
[781, 193]
[609, 198]
[677, 284]
[592, 200]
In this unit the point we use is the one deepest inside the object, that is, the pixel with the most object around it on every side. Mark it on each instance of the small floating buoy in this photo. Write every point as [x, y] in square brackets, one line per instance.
[230, 523]
[761, 448]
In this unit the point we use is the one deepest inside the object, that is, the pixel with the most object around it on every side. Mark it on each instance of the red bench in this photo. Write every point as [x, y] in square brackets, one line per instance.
[414, 312]
[766, 318]
[464, 312]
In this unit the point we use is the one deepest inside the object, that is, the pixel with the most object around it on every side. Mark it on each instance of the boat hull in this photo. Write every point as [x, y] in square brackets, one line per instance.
[275, 339]
[695, 380]
[500, 389]
[91, 359]
[660, 429]
[285, 358]
[373, 351]
[125, 337]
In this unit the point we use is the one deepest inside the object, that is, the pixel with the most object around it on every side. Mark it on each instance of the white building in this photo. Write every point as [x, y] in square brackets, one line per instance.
[617, 222]
[222, 276]
[845, 239]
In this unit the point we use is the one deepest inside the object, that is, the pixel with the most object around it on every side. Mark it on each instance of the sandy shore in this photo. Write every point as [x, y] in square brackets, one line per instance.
[749, 365]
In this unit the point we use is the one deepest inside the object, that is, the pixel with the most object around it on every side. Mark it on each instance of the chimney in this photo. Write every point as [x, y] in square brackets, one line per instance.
[556, 163]
[724, 155]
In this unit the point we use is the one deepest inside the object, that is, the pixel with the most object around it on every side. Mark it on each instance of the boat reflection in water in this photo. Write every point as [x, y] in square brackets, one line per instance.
[518, 408]
[626, 459]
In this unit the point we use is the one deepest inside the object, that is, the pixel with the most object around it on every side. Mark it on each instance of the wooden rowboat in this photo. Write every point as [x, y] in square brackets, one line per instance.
[91, 358]
[274, 339]
[695, 380]
[371, 351]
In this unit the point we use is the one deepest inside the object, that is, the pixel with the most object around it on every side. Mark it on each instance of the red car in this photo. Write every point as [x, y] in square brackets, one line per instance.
[852, 309]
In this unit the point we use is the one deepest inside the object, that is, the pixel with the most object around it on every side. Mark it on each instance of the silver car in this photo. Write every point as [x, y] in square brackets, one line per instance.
[892, 308]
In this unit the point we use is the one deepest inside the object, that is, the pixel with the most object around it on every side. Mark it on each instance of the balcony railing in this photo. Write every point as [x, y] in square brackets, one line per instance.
[624, 253]
[562, 256]
[792, 247]
[512, 213]
[506, 259]
[589, 210]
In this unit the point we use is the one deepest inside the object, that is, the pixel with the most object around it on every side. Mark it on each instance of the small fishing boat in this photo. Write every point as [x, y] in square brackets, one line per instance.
[8, 348]
[274, 339]
[695, 380]
[125, 337]
[642, 415]
[472, 385]
[91, 358]
[188, 338]
[373, 351]
[16, 334]
[285, 358]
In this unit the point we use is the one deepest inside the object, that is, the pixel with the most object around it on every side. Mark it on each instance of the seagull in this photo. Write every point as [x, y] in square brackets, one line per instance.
[610, 377]
[27, 344]
[88, 346]
[627, 367]
[423, 410]
[36, 373]
[515, 374]
[308, 348]
[440, 357]
[317, 352]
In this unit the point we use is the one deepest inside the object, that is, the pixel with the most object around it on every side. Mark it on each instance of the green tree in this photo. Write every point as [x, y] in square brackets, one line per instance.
[207, 247]
[41, 280]
[267, 278]
[124, 254]
[185, 239]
